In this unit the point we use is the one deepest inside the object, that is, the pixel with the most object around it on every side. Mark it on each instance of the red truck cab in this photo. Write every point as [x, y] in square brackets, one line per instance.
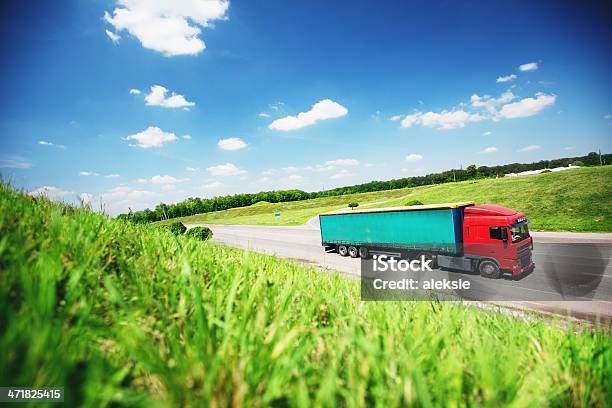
[500, 234]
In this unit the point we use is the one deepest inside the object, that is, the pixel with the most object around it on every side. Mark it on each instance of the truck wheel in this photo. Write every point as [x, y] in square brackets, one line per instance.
[364, 253]
[342, 250]
[489, 269]
[353, 252]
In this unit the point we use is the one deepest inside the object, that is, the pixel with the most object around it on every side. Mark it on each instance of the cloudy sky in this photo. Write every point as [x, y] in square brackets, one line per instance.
[134, 102]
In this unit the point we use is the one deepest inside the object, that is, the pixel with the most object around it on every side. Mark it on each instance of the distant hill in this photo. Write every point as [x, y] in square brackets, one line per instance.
[193, 206]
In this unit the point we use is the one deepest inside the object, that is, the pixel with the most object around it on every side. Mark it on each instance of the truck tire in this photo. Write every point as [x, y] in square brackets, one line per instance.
[364, 253]
[342, 250]
[353, 252]
[489, 269]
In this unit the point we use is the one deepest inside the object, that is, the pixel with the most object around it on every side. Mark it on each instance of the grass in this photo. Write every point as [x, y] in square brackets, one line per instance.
[575, 200]
[120, 314]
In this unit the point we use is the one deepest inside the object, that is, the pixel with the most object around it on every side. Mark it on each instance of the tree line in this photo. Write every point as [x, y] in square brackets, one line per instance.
[195, 205]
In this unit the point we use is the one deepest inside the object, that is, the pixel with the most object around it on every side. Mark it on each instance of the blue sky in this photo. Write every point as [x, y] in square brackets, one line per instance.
[134, 102]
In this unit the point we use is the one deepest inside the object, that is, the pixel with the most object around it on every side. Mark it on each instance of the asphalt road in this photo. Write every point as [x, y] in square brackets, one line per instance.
[572, 266]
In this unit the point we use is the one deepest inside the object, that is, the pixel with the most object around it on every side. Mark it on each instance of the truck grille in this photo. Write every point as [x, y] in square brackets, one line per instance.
[523, 248]
[525, 260]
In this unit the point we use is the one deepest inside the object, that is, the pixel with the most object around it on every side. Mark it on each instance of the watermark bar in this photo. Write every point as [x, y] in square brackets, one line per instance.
[30, 394]
[553, 272]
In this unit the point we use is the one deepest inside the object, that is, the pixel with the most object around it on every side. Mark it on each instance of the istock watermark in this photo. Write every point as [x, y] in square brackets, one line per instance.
[384, 263]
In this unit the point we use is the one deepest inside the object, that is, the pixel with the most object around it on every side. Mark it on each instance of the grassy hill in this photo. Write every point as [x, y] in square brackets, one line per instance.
[574, 200]
[120, 314]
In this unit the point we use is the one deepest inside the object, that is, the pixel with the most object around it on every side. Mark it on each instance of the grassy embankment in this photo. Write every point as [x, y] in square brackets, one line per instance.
[123, 314]
[574, 200]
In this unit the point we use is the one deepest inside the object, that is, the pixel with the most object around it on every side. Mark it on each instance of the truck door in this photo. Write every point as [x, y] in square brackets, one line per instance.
[498, 241]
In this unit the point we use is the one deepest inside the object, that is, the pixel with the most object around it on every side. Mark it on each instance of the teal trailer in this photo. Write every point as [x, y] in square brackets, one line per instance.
[433, 228]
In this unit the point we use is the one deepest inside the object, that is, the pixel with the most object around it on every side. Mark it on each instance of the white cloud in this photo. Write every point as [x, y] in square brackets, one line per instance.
[47, 143]
[191, 169]
[341, 174]
[134, 91]
[410, 120]
[232, 143]
[482, 108]
[15, 162]
[85, 198]
[608, 116]
[489, 103]
[166, 180]
[529, 148]
[414, 157]
[276, 106]
[152, 137]
[169, 27]
[487, 133]
[449, 120]
[442, 120]
[264, 115]
[322, 110]
[527, 107]
[569, 148]
[125, 192]
[114, 37]
[531, 66]
[51, 192]
[227, 169]
[212, 184]
[491, 149]
[342, 162]
[295, 177]
[186, 137]
[88, 173]
[157, 97]
[112, 175]
[396, 117]
[506, 78]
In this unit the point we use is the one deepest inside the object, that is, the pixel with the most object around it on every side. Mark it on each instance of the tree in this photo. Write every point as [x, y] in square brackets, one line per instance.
[472, 171]
[352, 206]
[414, 202]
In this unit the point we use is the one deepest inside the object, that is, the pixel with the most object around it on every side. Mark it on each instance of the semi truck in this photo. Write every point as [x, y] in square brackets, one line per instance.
[489, 239]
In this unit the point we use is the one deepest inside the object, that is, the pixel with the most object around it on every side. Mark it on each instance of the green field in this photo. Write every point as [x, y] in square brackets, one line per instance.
[574, 200]
[120, 314]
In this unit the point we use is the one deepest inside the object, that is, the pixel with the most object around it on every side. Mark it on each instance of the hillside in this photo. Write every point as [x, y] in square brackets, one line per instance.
[574, 200]
[120, 314]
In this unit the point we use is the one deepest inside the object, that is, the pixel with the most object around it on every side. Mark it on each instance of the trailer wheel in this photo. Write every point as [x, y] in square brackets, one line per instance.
[489, 269]
[353, 252]
[342, 250]
[364, 253]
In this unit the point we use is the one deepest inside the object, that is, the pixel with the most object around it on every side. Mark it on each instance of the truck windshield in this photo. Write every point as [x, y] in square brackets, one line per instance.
[519, 232]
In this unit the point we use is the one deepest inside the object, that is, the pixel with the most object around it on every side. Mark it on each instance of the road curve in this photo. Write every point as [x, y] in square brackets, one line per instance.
[556, 250]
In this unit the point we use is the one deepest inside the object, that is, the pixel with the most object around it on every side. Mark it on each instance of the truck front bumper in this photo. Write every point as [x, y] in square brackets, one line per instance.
[518, 269]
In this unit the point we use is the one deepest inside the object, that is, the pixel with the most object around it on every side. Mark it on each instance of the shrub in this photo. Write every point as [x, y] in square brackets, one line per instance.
[546, 171]
[177, 228]
[414, 202]
[353, 205]
[199, 233]
[578, 163]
